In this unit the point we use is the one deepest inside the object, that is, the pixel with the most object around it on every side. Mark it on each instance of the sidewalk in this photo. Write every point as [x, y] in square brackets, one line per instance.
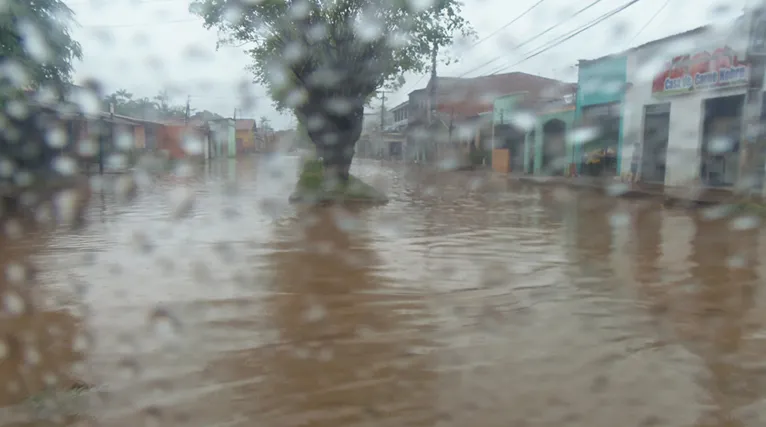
[683, 195]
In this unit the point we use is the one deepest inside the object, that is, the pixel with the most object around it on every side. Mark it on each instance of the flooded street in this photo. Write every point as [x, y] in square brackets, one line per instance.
[467, 300]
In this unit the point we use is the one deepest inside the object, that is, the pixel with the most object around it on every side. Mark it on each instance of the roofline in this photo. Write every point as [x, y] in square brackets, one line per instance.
[687, 33]
[401, 105]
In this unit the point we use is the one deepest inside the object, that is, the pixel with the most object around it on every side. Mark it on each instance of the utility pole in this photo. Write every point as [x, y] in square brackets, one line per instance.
[432, 92]
[751, 152]
[382, 109]
[188, 109]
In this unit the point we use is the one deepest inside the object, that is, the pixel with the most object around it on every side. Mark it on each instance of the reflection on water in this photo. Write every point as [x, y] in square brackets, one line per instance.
[468, 300]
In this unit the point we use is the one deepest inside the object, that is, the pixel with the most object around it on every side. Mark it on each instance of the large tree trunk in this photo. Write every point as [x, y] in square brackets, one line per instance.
[334, 135]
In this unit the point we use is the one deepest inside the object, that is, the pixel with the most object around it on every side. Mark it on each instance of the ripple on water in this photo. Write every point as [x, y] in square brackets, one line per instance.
[450, 306]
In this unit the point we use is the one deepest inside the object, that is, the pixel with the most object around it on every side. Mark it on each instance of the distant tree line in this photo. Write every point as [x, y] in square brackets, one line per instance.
[158, 107]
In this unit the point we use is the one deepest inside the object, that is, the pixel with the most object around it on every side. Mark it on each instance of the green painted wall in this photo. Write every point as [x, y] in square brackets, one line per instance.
[503, 107]
[601, 82]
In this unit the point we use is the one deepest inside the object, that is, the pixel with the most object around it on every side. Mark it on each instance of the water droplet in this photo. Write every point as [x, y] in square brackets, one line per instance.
[15, 273]
[182, 202]
[129, 369]
[736, 262]
[418, 6]
[13, 304]
[32, 356]
[56, 137]
[126, 187]
[325, 354]
[619, 220]
[524, 121]
[141, 242]
[617, 189]
[583, 135]
[717, 212]
[720, 144]
[65, 165]
[13, 229]
[164, 324]
[193, 144]
[742, 223]
[315, 313]
[33, 40]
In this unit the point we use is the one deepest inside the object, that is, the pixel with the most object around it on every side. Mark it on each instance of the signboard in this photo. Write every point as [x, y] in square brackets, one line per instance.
[704, 70]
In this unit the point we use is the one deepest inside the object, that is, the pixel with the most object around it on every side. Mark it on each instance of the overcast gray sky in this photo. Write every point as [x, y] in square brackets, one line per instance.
[144, 46]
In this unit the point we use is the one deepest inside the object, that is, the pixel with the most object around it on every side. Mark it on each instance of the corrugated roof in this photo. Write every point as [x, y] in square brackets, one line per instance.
[461, 97]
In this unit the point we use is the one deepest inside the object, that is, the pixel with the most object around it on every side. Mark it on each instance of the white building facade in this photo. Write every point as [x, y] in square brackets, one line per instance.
[682, 113]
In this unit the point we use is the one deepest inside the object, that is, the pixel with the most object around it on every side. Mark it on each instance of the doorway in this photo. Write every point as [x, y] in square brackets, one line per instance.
[512, 139]
[655, 143]
[721, 135]
[554, 159]
[599, 155]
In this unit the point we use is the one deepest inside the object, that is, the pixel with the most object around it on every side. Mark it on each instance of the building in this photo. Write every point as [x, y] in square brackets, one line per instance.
[244, 136]
[222, 138]
[529, 128]
[678, 123]
[453, 117]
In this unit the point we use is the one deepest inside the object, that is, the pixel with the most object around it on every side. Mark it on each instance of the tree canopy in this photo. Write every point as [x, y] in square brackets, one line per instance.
[158, 107]
[347, 48]
[35, 36]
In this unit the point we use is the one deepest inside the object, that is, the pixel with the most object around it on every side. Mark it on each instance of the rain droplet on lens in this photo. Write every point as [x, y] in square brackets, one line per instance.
[32, 356]
[16, 273]
[315, 313]
[717, 212]
[182, 202]
[617, 189]
[747, 222]
[164, 323]
[129, 368]
[736, 262]
[13, 303]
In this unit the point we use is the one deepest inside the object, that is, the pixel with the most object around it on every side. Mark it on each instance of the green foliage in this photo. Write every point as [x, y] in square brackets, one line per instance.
[345, 48]
[35, 35]
[157, 108]
[313, 188]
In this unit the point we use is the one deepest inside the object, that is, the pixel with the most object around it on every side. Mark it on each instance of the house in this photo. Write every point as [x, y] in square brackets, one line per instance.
[245, 135]
[453, 116]
[529, 132]
[222, 138]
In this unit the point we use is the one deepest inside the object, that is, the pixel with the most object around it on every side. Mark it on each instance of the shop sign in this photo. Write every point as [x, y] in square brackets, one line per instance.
[701, 71]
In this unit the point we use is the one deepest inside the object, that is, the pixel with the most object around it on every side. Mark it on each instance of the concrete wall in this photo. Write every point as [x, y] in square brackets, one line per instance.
[647, 74]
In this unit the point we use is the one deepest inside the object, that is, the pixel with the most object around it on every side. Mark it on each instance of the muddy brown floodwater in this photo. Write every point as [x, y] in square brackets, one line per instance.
[467, 301]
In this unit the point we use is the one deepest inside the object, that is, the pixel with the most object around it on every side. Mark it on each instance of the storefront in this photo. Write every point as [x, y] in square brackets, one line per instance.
[686, 120]
[598, 143]
[512, 145]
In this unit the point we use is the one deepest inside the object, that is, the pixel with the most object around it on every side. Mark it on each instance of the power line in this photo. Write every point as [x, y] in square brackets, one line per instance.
[664, 5]
[535, 37]
[141, 24]
[506, 25]
[572, 34]
[100, 3]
